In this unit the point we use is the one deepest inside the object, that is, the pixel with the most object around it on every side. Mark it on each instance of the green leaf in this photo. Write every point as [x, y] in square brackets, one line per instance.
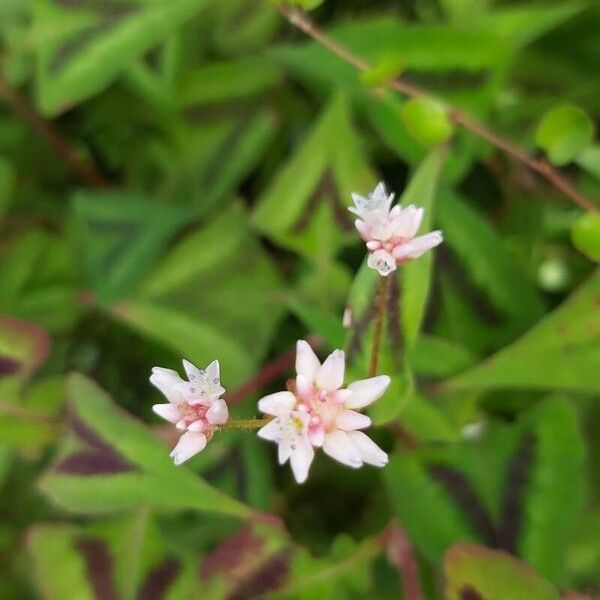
[585, 234]
[438, 357]
[416, 275]
[113, 463]
[554, 496]
[323, 323]
[477, 571]
[564, 132]
[383, 71]
[8, 179]
[118, 236]
[80, 52]
[227, 81]
[60, 570]
[174, 308]
[560, 352]
[495, 269]
[423, 507]
[427, 121]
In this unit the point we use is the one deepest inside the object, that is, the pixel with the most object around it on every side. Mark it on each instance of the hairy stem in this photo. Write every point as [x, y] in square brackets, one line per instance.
[383, 286]
[299, 19]
[246, 423]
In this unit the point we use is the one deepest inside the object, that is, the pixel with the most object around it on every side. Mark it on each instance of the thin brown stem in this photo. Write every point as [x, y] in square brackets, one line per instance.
[86, 172]
[383, 286]
[299, 19]
[400, 555]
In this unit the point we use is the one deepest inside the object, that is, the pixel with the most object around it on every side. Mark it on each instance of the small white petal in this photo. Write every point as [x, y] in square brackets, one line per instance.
[304, 386]
[169, 412]
[331, 374]
[383, 262]
[418, 246]
[279, 404]
[169, 383]
[300, 461]
[363, 229]
[271, 431]
[316, 436]
[337, 444]
[307, 363]
[366, 391]
[189, 444]
[350, 420]
[213, 372]
[191, 370]
[369, 451]
[407, 221]
[218, 413]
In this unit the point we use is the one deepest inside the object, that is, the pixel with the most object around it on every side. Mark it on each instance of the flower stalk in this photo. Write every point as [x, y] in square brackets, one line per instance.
[383, 287]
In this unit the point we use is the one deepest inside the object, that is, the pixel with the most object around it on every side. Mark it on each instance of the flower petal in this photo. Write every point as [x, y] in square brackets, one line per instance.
[191, 370]
[169, 412]
[279, 404]
[337, 444]
[218, 413]
[213, 372]
[307, 363]
[169, 383]
[363, 229]
[418, 246]
[383, 262]
[369, 451]
[316, 435]
[350, 420]
[366, 391]
[189, 444]
[300, 461]
[331, 374]
[407, 222]
[272, 431]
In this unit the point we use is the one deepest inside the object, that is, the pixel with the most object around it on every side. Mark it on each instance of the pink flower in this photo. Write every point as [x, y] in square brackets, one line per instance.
[390, 232]
[195, 406]
[320, 413]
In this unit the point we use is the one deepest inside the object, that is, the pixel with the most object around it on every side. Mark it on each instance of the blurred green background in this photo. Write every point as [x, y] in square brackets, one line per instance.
[173, 183]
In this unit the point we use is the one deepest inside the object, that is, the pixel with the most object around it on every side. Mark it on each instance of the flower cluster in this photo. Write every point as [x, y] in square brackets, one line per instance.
[390, 231]
[320, 413]
[195, 405]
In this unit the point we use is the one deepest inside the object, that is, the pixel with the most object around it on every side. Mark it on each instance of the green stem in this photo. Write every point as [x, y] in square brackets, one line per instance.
[383, 287]
[246, 423]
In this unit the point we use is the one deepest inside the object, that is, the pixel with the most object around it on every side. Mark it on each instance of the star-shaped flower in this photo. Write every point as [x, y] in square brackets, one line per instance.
[195, 406]
[390, 232]
[321, 413]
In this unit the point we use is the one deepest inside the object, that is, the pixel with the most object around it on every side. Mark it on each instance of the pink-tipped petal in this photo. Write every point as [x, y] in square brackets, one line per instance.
[304, 387]
[169, 412]
[337, 444]
[199, 426]
[279, 404]
[363, 230]
[218, 413]
[331, 374]
[307, 363]
[369, 451]
[366, 391]
[419, 245]
[189, 444]
[300, 461]
[350, 420]
[316, 435]
[373, 245]
[169, 383]
[383, 262]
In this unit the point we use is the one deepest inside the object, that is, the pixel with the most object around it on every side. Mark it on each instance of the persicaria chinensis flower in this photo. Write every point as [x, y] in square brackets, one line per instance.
[195, 406]
[390, 232]
[321, 413]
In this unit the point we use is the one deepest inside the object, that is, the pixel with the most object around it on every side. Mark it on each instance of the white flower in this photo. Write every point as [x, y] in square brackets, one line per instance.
[390, 232]
[320, 413]
[195, 406]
